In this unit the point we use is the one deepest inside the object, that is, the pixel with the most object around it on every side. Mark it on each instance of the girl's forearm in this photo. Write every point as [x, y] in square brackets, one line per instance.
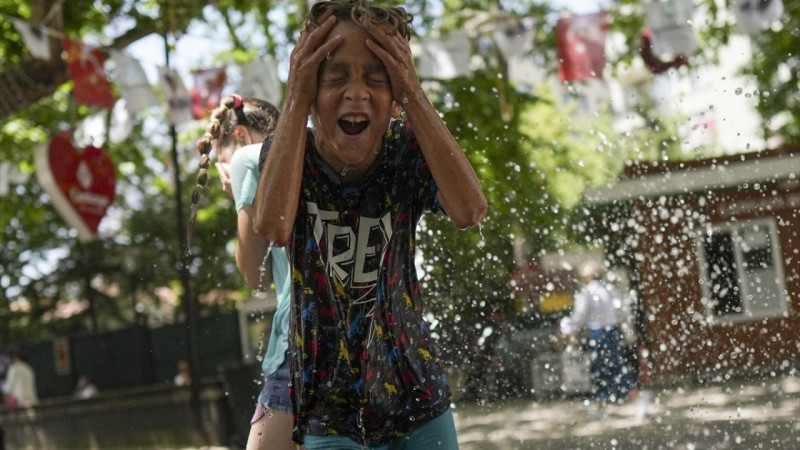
[278, 190]
[250, 251]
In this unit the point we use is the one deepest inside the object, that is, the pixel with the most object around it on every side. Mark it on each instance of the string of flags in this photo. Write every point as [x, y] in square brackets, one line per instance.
[207, 90]
[133, 83]
[667, 41]
[79, 175]
[177, 96]
[754, 16]
[260, 80]
[444, 57]
[35, 38]
[92, 83]
[581, 43]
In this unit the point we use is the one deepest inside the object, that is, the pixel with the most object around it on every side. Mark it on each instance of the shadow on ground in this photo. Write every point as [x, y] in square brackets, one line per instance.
[763, 414]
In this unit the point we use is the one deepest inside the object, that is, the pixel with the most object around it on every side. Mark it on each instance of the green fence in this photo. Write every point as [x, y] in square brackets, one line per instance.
[134, 356]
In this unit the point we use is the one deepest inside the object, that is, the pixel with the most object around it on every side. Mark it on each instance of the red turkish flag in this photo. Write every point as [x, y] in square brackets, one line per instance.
[89, 80]
[207, 91]
[582, 46]
[81, 183]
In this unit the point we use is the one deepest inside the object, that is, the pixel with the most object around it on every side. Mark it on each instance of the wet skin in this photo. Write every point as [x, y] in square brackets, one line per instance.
[354, 102]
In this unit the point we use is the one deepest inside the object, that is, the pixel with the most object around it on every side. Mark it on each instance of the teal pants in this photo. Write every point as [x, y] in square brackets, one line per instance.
[438, 434]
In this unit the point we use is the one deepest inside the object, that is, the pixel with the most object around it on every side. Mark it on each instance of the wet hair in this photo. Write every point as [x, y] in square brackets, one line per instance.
[258, 116]
[354, 10]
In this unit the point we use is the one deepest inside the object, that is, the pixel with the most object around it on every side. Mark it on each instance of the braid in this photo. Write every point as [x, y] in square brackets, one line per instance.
[257, 115]
[219, 131]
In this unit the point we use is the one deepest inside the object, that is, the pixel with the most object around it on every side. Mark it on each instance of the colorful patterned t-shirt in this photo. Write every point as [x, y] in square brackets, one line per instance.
[363, 361]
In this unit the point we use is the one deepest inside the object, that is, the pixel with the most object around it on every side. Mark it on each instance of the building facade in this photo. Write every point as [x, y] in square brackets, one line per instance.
[714, 247]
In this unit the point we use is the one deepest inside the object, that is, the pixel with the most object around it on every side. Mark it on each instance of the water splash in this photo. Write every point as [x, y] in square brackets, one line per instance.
[262, 272]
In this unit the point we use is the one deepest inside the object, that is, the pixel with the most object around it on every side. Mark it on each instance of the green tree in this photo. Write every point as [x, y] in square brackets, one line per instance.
[42, 263]
[534, 158]
[776, 68]
[775, 65]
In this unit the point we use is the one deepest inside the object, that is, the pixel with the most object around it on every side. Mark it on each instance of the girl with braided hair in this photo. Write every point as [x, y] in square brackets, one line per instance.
[344, 198]
[235, 132]
[235, 123]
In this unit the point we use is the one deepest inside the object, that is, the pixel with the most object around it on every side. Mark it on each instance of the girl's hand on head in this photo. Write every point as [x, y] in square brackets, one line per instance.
[395, 52]
[312, 47]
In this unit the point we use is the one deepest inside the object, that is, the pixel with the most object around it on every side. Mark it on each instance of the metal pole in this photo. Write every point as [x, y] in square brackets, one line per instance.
[188, 299]
[92, 304]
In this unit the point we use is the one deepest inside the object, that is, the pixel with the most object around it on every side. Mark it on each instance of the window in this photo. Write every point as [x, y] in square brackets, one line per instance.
[741, 270]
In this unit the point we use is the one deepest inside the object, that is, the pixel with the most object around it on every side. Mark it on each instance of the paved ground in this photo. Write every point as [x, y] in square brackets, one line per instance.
[764, 414]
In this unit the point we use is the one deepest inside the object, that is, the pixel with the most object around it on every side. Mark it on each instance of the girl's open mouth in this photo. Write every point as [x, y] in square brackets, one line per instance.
[352, 125]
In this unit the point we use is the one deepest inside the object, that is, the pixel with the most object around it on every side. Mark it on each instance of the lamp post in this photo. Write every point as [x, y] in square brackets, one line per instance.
[130, 264]
[192, 354]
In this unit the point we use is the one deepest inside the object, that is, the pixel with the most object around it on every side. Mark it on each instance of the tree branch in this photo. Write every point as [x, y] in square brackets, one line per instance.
[23, 84]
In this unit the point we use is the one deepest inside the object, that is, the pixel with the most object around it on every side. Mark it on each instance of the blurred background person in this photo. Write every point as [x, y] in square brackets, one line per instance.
[20, 387]
[84, 388]
[598, 310]
[183, 378]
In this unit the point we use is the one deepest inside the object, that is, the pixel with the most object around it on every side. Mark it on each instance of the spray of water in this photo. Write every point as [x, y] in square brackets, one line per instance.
[262, 273]
[261, 293]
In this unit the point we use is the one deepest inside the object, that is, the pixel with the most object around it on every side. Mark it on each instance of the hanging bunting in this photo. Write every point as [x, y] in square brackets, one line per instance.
[445, 57]
[121, 125]
[34, 37]
[81, 183]
[176, 95]
[96, 128]
[525, 72]
[207, 90]
[89, 81]
[132, 82]
[754, 16]
[670, 23]
[514, 39]
[515, 42]
[260, 80]
[653, 62]
[10, 174]
[581, 43]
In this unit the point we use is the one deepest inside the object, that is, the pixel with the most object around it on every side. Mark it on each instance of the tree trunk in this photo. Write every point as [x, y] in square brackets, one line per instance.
[25, 83]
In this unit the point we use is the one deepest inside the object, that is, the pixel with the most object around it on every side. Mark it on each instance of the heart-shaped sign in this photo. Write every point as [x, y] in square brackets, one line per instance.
[81, 183]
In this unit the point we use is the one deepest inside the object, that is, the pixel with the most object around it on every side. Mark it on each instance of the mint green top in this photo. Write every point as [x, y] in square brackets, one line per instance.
[244, 180]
